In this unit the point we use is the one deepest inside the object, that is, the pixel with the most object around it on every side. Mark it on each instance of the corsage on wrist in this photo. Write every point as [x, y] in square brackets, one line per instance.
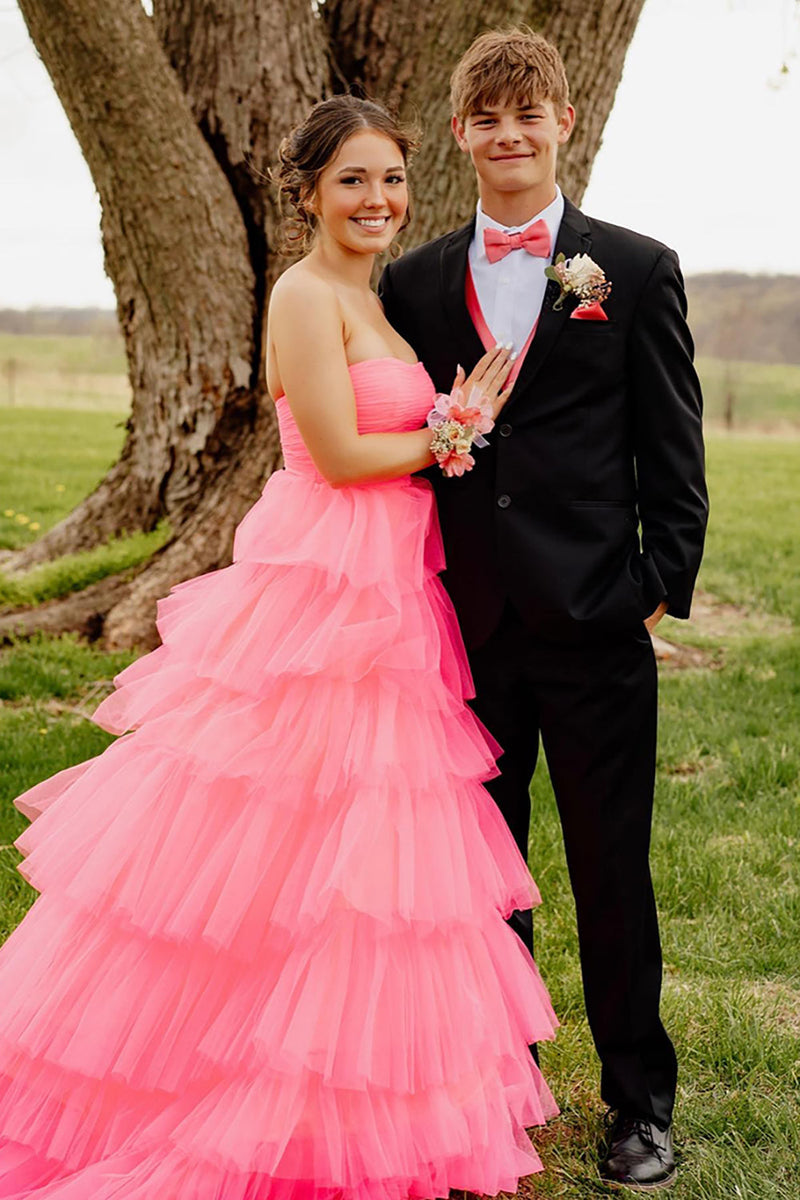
[459, 425]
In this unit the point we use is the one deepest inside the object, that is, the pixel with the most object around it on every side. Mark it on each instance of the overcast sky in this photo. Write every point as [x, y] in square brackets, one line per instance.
[700, 151]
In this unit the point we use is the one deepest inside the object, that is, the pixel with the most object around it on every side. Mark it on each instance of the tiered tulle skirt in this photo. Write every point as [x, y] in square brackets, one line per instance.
[269, 960]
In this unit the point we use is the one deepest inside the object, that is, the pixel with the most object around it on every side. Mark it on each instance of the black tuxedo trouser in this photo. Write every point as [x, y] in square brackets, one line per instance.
[595, 707]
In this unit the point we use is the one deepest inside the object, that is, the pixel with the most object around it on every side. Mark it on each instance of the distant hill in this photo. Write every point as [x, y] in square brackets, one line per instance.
[752, 318]
[749, 318]
[46, 322]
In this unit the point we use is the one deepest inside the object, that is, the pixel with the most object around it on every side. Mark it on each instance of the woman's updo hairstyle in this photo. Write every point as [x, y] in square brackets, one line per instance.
[308, 149]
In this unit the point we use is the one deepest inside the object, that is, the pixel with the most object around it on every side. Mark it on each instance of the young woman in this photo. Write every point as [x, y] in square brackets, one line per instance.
[269, 959]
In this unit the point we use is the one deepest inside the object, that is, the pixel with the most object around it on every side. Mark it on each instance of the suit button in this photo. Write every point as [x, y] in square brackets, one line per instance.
[503, 501]
[505, 431]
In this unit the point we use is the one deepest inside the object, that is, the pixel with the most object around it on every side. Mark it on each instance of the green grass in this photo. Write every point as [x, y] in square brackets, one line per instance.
[765, 395]
[81, 354]
[45, 685]
[49, 460]
[67, 372]
[725, 849]
[72, 572]
[752, 553]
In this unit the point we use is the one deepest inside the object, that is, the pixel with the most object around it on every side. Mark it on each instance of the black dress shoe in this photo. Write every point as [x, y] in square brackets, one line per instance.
[640, 1155]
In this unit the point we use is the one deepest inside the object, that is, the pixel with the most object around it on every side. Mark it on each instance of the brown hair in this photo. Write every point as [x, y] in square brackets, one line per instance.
[516, 63]
[310, 146]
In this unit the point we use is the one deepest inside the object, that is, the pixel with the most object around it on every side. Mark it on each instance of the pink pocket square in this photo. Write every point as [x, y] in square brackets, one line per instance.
[589, 312]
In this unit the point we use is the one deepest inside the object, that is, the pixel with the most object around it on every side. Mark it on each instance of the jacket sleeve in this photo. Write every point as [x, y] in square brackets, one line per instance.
[667, 408]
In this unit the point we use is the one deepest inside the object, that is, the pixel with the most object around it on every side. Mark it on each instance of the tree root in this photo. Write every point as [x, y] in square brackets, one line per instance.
[119, 611]
[119, 504]
[81, 612]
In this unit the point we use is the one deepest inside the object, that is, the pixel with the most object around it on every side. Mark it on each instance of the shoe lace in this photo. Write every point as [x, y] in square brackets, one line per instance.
[620, 1125]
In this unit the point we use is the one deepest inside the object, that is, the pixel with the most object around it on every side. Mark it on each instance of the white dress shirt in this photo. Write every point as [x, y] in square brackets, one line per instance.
[510, 292]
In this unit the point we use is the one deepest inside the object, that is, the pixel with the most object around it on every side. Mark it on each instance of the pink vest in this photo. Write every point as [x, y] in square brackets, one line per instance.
[483, 330]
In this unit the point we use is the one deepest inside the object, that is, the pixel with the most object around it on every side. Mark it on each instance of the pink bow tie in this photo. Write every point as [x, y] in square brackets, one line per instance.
[535, 239]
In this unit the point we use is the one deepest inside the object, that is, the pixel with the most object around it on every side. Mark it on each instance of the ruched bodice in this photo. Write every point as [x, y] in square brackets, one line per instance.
[391, 396]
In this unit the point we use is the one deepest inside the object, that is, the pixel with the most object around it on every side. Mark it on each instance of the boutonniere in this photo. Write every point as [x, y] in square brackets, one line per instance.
[581, 277]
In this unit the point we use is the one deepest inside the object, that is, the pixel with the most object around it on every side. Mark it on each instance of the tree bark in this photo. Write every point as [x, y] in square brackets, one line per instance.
[249, 71]
[176, 250]
[593, 40]
[179, 117]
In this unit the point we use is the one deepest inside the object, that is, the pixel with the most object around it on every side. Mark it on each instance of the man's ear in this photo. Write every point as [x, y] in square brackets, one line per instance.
[566, 123]
[458, 133]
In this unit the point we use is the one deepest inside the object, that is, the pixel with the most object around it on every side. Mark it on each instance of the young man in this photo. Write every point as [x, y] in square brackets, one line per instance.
[600, 444]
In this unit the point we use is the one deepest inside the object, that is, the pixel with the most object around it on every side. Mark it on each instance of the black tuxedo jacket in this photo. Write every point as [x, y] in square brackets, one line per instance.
[589, 506]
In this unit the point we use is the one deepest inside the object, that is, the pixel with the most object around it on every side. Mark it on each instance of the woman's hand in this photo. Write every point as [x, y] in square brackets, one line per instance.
[489, 376]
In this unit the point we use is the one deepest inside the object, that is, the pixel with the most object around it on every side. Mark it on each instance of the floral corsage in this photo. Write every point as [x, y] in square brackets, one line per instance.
[580, 276]
[459, 425]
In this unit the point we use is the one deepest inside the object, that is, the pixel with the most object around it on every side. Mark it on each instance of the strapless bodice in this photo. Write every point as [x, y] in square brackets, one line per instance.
[375, 532]
[392, 396]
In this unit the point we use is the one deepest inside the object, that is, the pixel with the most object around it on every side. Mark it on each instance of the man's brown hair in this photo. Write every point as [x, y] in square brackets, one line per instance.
[516, 63]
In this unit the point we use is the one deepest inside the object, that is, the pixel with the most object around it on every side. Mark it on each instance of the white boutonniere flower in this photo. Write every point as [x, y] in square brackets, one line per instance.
[581, 277]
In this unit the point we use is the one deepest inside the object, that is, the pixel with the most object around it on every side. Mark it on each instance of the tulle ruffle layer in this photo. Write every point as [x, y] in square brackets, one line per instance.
[292, 1136]
[269, 959]
[324, 733]
[379, 534]
[179, 854]
[108, 1004]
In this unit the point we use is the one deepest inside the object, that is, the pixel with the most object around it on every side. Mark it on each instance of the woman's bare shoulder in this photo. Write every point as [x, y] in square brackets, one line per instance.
[299, 287]
[305, 327]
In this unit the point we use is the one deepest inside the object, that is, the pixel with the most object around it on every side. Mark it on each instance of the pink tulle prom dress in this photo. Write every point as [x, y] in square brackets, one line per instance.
[268, 960]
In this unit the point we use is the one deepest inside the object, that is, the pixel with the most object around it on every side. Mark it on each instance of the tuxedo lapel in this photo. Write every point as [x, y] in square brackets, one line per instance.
[452, 284]
[573, 238]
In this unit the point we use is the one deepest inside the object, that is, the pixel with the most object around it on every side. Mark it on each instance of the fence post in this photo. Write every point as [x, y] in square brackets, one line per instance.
[11, 376]
[730, 397]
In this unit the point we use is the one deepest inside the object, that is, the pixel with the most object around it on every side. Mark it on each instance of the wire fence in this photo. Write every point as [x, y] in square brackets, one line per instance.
[22, 386]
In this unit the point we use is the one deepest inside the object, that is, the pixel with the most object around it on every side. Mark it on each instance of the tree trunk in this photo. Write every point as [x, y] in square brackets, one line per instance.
[179, 117]
[593, 40]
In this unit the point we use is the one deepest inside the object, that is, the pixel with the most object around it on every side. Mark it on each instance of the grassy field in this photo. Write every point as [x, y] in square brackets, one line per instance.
[49, 460]
[753, 556]
[764, 395]
[726, 838]
[79, 372]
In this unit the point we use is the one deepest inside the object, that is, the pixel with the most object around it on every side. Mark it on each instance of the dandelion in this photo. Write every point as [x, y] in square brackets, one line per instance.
[60, 487]
[44, 730]
[34, 525]
[22, 519]
[9, 512]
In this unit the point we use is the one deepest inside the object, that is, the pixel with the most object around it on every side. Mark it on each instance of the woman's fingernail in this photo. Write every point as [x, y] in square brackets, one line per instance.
[499, 346]
[514, 356]
[509, 345]
[459, 368]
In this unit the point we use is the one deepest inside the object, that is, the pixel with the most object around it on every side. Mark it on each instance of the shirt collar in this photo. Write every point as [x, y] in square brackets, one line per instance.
[551, 216]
